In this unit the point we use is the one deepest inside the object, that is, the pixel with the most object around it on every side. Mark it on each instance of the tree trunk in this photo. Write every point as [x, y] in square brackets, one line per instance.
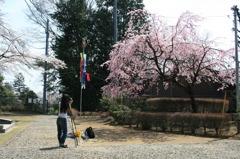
[193, 103]
[0, 103]
[189, 90]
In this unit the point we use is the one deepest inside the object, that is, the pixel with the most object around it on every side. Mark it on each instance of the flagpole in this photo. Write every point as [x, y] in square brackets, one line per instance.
[81, 99]
[81, 80]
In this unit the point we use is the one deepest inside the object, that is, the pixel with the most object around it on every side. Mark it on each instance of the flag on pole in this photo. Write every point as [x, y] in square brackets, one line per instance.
[84, 76]
[88, 77]
[81, 65]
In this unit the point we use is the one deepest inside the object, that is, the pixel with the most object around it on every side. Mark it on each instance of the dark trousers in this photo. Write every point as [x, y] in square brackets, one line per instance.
[62, 130]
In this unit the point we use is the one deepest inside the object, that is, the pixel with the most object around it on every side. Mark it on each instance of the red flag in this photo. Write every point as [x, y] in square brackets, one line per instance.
[88, 77]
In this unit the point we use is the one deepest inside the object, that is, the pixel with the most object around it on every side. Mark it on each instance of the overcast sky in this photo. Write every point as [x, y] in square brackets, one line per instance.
[217, 14]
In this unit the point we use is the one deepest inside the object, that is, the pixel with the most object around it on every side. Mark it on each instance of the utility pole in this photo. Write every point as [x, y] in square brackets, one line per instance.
[45, 70]
[116, 33]
[235, 9]
[115, 22]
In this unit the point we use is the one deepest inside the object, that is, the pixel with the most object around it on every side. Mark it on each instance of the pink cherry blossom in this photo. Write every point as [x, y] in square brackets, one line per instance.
[152, 51]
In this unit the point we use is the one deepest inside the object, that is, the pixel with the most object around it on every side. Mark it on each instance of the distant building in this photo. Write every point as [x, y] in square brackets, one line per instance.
[202, 90]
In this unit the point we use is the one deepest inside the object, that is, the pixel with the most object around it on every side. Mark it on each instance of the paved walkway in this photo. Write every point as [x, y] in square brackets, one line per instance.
[39, 140]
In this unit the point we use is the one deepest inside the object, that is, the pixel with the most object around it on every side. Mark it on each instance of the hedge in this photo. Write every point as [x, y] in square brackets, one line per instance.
[184, 121]
[205, 105]
[175, 122]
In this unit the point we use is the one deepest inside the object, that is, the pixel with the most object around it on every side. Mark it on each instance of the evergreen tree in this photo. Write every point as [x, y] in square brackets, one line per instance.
[19, 85]
[77, 21]
[30, 96]
[9, 98]
[23, 91]
[1, 90]
[101, 40]
[70, 17]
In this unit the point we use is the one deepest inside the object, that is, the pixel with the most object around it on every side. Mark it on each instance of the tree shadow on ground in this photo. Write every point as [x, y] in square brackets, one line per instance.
[110, 132]
[19, 113]
[49, 148]
[120, 133]
[111, 135]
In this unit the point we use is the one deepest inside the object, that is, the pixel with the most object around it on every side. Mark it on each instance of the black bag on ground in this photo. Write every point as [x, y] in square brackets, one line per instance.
[89, 132]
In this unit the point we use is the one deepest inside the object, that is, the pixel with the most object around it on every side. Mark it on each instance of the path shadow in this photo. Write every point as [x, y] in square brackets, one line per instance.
[49, 148]
[6, 114]
[124, 134]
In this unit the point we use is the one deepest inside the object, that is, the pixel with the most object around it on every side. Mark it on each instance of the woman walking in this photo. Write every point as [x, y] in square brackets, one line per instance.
[64, 108]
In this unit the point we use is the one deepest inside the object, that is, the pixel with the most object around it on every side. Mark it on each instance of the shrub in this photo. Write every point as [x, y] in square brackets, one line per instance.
[178, 121]
[118, 107]
[184, 121]
[161, 120]
[211, 105]
[6, 108]
[135, 103]
[107, 103]
[119, 113]
[131, 117]
[56, 112]
[213, 121]
[51, 110]
[145, 120]
[168, 104]
[55, 108]
[12, 108]
[119, 116]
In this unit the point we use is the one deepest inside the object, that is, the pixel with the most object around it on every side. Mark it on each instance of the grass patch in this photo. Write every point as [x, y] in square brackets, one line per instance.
[23, 120]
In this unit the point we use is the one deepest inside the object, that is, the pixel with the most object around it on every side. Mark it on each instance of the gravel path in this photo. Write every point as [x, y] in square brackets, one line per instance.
[39, 140]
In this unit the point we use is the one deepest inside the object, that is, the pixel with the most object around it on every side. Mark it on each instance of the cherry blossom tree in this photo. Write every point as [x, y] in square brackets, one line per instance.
[14, 52]
[154, 52]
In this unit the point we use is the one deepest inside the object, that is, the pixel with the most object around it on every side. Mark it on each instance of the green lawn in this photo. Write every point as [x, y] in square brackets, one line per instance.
[22, 121]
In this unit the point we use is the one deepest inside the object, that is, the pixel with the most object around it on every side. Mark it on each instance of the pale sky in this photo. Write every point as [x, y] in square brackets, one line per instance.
[217, 14]
[14, 15]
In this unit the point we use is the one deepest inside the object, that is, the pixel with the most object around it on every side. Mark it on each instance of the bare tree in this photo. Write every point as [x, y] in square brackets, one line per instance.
[39, 11]
[14, 52]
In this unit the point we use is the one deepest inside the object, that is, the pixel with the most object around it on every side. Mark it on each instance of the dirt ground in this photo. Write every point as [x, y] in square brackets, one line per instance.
[110, 134]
